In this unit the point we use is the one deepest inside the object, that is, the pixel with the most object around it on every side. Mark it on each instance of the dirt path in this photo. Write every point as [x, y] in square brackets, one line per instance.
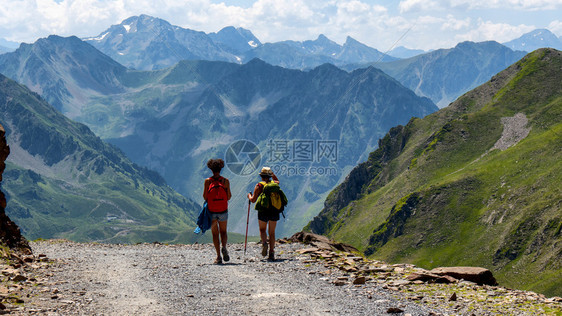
[152, 279]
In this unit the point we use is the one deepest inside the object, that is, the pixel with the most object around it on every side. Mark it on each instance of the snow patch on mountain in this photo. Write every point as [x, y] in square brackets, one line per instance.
[99, 38]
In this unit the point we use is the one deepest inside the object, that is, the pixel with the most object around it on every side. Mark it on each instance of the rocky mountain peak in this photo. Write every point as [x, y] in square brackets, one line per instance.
[237, 39]
[536, 39]
[350, 41]
[323, 40]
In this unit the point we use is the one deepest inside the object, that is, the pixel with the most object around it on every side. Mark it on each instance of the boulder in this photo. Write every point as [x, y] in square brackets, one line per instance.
[431, 278]
[422, 277]
[395, 310]
[360, 280]
[474, 274]
[321, 242]
[453, 297]
[19, 278]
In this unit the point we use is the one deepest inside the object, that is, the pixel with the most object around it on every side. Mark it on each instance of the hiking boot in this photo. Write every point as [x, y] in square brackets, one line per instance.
[264, 249]
[271, 257]
[218, 260]
[225, 254]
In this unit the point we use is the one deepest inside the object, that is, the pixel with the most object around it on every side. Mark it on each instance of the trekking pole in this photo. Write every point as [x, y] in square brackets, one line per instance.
[247, 223]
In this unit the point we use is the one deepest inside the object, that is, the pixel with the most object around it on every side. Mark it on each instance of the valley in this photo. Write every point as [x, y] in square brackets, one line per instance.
[109, 137]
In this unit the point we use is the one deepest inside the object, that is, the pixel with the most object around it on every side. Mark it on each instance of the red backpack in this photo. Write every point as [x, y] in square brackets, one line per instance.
[217, 200]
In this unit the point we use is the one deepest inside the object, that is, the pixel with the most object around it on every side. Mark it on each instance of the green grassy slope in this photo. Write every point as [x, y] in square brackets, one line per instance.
[435, 193]
[62, 181]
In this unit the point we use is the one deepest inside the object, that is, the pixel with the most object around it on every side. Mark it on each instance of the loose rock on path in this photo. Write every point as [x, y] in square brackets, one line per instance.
[66, 278]
[155, 279]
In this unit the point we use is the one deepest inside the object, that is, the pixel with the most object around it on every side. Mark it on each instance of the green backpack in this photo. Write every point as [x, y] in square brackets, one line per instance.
[272, 198]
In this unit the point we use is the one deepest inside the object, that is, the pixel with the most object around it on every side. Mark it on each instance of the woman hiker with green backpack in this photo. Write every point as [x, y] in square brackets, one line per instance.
[266, 217]
[216, 193]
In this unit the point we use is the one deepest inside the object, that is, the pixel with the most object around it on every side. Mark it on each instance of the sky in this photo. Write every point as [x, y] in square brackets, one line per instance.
[385, 24]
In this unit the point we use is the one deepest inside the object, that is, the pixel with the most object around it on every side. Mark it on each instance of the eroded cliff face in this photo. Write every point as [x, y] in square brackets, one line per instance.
[10, 234]
[363, 179]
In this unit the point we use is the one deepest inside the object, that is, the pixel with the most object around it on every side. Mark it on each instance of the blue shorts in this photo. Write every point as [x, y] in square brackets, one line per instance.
[221, 217]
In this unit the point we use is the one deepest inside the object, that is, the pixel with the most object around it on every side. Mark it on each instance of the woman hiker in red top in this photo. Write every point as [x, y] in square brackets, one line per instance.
[217, 193]
[265, 218]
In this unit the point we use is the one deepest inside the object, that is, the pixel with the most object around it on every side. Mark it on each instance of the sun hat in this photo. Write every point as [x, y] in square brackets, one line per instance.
[266, 171]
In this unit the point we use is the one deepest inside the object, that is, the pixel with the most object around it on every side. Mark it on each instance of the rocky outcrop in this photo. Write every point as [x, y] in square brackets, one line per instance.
[457, 290]
[10, 234]
[321, 242]
[363, 179]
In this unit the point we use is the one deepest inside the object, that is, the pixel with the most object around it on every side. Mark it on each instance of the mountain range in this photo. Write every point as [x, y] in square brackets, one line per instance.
[144, 42]
[173, 120]
[62, 181]
[309, 54]
[147, 43]
[474, 184]
[445, 74]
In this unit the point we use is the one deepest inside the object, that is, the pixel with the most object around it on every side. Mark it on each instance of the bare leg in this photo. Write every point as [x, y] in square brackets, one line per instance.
[263, 228]
[224, 238]
[223, 233]
[216, 242]
[272, 225]
[263, 235]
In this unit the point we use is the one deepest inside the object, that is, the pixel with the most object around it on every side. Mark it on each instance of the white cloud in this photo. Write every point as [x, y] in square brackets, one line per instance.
[500, 32]
[451, 23]
[353, 7]
[379, 9]
[431, 5]
[508, 4]
[556, 27]
[418, 5]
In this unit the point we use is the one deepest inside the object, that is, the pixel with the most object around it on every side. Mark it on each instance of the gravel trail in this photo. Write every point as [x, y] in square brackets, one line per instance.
[155, 279]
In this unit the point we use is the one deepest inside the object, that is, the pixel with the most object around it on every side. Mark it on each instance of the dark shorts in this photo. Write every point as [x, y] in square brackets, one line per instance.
[266, 216]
